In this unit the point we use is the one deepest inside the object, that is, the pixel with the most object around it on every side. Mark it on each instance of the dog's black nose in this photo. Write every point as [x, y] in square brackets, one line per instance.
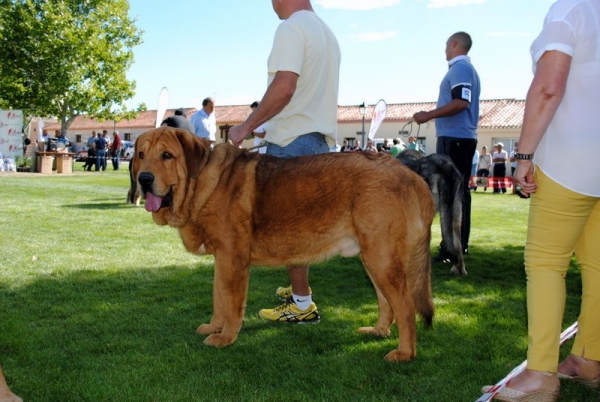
[146, 179]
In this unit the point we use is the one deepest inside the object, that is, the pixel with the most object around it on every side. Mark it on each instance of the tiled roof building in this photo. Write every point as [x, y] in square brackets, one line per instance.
[499, 119]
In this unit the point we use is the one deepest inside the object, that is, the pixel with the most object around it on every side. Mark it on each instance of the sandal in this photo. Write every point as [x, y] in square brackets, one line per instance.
[548, 392]
[589, 372]
[514, 395]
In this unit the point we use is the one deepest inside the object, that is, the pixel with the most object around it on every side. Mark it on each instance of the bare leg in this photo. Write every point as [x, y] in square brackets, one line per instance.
[298, 275]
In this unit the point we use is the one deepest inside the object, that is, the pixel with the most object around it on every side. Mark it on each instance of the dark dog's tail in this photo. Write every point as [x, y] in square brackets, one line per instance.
[450, 208]
[133, 196]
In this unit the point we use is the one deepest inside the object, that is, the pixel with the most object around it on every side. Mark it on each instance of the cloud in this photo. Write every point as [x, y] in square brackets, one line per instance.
[510, 33]
[452, 3]
[356, 4]
[374, 36]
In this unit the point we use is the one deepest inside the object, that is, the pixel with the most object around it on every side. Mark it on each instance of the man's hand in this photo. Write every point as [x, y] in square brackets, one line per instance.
[421, 117]
[238, 134]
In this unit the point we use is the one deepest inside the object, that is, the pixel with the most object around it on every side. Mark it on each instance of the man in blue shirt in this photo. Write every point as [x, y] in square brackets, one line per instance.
[100, 146]
[456, 118]
[204, 121]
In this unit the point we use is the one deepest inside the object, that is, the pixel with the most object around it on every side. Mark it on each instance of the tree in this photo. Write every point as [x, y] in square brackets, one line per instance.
[64, 58]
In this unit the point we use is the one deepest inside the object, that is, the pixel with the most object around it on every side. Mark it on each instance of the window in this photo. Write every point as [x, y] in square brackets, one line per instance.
[78, 138]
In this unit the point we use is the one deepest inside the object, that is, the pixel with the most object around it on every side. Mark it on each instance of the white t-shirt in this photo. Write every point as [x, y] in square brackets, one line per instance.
[573, 27]
[305, 45]
[257, 140]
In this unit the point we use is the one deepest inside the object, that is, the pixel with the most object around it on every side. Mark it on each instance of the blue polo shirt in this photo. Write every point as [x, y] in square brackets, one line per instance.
[100, 144]
[461, 81]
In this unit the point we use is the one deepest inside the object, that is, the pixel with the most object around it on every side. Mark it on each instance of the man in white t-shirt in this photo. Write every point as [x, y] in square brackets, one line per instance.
[299, 113]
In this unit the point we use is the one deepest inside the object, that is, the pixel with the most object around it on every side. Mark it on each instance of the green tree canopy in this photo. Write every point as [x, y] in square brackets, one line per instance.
[64, 58]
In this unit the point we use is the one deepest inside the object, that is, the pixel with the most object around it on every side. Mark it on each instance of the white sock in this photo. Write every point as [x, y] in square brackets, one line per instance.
[303, 302]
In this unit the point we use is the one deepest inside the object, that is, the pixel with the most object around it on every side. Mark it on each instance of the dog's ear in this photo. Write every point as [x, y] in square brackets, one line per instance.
[194, 150]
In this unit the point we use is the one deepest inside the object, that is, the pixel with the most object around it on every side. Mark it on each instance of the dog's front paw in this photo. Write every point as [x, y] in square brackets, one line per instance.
[397, 355]
[219, 340]
[207, 329]
[381, 332]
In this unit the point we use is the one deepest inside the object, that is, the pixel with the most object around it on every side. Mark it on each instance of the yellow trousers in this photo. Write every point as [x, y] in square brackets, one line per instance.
[561, 223]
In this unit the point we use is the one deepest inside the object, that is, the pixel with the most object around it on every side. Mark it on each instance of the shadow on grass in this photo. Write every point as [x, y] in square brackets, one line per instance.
[130, 336]
[102, 205]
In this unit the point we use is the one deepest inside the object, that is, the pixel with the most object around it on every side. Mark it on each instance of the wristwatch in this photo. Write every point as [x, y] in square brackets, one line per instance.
[523, 156]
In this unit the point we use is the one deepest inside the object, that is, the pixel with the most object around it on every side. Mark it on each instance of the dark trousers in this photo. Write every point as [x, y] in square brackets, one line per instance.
[499, 171]
[461, 151]
[483, 173]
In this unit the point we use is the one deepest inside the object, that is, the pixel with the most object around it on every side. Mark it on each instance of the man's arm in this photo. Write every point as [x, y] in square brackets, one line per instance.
[277, 96]
[454, 107]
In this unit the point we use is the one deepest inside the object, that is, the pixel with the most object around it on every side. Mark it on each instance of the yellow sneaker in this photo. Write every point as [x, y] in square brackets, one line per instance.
[285, 294]
[289, 312]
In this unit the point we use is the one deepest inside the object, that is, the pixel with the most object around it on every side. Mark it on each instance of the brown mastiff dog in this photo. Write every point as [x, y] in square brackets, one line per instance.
[251, 209]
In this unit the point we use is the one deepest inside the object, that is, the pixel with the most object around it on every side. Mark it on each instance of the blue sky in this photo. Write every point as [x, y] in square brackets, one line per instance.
[391, 49]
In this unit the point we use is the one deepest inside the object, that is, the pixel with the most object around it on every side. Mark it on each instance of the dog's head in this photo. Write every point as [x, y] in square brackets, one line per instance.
[166, 164]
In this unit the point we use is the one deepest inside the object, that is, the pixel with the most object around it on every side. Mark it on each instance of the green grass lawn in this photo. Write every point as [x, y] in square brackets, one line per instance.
[97, 303]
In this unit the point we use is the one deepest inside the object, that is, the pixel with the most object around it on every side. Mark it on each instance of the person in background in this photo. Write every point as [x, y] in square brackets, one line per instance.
[513, 161]
[259, 134]
[371, 147]
[484, 165]
[205, 121]
[115, 150]
[178, 120]
[413, 144]
[560, 119]
[299, 110]
[345, 147]
[101, 145]
[499, 158]
[474, 170]
[386, 146]
[456, 119]
[357, 146]
[91, 152]
[61, 140]
[397, 147]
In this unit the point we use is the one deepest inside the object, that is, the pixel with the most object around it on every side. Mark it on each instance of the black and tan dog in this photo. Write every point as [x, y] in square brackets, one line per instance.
[445, 182]
[251, 209]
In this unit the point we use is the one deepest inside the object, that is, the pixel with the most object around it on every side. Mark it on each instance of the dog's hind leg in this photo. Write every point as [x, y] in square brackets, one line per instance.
[386, 316]
[390, 282]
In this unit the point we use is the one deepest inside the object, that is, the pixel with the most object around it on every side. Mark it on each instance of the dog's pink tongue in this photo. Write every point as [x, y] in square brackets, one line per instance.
[152, 202]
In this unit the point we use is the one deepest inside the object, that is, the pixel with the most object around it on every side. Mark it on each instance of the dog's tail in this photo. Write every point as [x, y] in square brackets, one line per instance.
[451, 206]
[419, 275]
[132, 194]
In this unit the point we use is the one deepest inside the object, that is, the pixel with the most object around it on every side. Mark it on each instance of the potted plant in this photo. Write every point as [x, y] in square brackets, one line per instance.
[23, 164]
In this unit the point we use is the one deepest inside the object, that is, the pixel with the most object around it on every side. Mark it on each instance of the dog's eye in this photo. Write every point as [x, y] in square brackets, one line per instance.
[167, 155]
[141, 155]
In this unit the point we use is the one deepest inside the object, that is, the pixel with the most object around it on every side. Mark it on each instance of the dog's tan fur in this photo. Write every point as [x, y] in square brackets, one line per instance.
[6, 395]
[251, 209]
